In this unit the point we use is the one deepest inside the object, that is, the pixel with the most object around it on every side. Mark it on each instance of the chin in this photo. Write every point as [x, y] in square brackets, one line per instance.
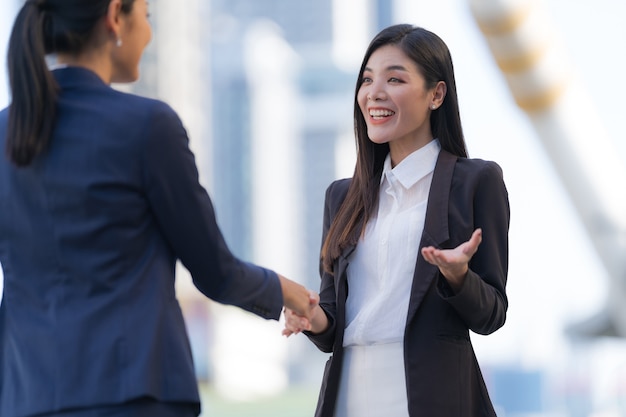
[379, 141]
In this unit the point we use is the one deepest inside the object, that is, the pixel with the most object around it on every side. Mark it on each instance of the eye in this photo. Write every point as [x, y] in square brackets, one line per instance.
[366, 80]
[395, 80]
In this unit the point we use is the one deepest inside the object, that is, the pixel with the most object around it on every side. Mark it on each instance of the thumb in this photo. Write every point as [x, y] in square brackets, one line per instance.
[314, 298]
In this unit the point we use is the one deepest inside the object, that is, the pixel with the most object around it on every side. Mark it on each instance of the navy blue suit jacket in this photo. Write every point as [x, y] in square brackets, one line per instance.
[89, 237]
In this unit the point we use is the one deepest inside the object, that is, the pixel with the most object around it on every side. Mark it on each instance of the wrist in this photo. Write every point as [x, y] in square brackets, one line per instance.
[455, 279]
[319, 321]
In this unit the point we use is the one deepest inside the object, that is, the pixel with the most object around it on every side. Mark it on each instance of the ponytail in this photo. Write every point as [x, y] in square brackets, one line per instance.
[33, 88]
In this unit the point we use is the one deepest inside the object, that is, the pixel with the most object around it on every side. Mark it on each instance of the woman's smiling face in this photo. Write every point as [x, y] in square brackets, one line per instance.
[395, 102]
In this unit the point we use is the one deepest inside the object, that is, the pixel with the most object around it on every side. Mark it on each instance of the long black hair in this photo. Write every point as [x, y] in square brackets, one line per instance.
[433, 60]
[43, 27]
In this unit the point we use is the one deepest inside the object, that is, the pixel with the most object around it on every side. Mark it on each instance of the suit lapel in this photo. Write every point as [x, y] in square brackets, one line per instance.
[341, 289]
[435, 228]
[331, 382]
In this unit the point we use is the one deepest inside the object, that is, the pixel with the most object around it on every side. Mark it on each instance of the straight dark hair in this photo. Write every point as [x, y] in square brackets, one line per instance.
[43, 27]
[433, 60]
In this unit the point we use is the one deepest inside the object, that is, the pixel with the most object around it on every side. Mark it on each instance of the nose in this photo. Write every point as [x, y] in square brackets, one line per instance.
[376, 93]
[376, 96]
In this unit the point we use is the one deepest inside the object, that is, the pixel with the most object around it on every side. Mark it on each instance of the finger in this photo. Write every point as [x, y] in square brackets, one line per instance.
[478, 236]
[429, 255]
[304, 325]
[288, 313]
[297, 323]
[292, 322]
[297, 320]
[306, 310]
[314, 298]
[292, 328]
[472, 245]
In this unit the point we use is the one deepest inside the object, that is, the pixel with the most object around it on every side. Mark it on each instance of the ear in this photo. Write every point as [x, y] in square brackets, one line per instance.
[112, 20]
[439, 94]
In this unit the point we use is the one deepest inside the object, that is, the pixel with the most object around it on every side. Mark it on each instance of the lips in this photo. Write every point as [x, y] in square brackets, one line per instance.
[379, 114]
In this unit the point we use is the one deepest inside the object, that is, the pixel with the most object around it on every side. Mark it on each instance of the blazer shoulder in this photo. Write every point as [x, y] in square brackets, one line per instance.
[337, 190]
[478, 165]
[136, 104]
[148, 119]
[478, 169]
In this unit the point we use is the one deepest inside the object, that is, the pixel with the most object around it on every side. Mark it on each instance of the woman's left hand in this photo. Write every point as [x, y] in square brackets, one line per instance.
[453, 263]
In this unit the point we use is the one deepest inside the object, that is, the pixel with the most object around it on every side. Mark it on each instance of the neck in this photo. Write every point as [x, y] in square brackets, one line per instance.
[399, 150]
[93, 61]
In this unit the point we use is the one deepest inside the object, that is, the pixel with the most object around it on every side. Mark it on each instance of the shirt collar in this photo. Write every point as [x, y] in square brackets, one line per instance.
[415, 166]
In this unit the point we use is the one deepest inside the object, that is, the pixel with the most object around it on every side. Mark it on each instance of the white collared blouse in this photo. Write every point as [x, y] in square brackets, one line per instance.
[381, 268]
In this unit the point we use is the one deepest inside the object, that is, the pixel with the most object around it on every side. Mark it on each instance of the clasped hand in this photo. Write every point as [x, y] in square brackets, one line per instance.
[295, 323]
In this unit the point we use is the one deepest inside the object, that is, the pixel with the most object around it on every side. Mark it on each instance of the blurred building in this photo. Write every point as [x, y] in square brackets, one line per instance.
[321, 91]
[323, 114]
[277, 101]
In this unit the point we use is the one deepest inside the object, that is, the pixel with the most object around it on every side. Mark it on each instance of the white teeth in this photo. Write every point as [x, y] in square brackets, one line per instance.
[381, 113]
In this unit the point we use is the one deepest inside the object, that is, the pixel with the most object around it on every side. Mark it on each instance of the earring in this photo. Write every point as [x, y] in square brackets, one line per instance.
[118, 43]
[433, 107]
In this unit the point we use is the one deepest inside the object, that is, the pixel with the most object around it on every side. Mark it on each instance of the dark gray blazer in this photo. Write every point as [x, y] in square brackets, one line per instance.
[443, 376]
[89, 237]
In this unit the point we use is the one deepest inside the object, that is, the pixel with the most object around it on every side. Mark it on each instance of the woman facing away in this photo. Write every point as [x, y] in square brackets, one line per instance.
[415, 246]
[99, 198]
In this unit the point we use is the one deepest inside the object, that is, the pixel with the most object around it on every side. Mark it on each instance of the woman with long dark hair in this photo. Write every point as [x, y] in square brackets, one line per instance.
[99, 198]
[415, 246]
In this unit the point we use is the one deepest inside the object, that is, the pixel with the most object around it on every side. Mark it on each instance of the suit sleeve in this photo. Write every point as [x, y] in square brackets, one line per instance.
[482, 302]
[185, 215]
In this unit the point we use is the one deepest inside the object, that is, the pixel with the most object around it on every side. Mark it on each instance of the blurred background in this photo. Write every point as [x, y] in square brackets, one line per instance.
[265, 89]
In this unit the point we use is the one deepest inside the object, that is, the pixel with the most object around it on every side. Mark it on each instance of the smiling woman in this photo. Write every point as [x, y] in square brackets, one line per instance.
[415, 252]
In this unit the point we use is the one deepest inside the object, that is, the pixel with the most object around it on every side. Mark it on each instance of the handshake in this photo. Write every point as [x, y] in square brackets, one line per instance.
[302, 310]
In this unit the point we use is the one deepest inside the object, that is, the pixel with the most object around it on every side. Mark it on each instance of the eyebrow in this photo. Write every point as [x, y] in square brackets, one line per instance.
[389, 68]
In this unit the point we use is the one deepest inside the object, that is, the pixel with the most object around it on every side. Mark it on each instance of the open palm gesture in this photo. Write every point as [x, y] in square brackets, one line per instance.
[453, 263]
